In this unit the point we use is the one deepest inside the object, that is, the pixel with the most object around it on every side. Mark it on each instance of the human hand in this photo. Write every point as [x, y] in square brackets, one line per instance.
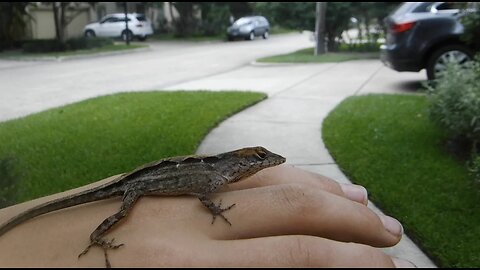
[283, 216]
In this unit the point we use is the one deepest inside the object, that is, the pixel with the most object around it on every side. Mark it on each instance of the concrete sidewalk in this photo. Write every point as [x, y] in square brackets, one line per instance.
[289, 121]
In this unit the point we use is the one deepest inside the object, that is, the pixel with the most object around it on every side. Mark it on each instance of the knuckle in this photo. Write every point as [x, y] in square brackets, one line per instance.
[296, 198]
[299, 251]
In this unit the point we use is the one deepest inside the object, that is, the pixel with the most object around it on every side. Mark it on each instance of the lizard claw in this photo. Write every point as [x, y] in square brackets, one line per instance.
[102, 243]
[218, 210]
[109, 244]
[215, 209]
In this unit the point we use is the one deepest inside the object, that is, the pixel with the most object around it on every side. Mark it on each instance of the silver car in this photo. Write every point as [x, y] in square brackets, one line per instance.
[249, 28]
[113, 25]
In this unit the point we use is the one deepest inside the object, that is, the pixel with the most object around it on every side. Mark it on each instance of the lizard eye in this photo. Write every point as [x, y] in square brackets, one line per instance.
[261, 154]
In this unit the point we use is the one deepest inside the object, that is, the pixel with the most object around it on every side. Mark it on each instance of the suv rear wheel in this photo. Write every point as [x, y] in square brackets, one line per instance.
[127, 34]
[89, 33]
[265, 35]
[439, 60]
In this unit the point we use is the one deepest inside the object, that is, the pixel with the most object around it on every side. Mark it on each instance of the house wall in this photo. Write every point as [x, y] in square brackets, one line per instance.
[75, 28]
[43, 24]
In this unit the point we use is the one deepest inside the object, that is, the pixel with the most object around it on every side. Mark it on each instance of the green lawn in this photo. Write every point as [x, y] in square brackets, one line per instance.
[70, 146]
[107, 48]
[306, 56]
[388, 144]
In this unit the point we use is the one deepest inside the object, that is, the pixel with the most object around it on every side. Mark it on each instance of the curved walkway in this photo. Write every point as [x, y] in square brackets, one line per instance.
[289, 121]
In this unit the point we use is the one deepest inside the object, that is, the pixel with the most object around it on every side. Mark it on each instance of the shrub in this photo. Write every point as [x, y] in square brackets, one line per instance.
[475, 168]
[471, 22]
[72, 44]
[455, 102]
[83, 43]
[43, 45]
[360, 47]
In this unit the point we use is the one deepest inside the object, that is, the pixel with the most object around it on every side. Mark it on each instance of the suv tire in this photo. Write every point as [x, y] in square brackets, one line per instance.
[89, 33]
[265, 35]
[126, 34]
[448, 54]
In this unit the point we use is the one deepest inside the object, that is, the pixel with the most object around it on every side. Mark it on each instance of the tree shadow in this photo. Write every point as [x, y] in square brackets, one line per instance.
[9, 181]
[412, 86]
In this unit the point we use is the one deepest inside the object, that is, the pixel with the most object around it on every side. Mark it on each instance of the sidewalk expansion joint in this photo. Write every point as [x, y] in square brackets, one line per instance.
[201, 77]
[313, 164]
[305, 79]
[367, 80]
[273, 121]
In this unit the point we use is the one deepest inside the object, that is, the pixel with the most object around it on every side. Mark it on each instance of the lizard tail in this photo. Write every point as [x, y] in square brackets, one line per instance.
[95, 194]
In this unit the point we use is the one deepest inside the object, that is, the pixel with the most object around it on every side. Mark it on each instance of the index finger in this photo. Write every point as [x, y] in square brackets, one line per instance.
[288, 174]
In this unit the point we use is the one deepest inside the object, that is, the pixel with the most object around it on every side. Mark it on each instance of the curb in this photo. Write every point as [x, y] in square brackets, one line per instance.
[74, 57]
[264, 64]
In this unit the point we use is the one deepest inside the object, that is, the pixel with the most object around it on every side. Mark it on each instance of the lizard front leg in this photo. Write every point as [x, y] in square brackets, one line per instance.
[129, 200]
[216, 210]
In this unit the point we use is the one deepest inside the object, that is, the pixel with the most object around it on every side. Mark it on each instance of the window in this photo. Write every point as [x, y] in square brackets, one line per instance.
[448, 7]
[141, 18]
[242, 21]
[451, 5]
[122, 19]
[109, 20]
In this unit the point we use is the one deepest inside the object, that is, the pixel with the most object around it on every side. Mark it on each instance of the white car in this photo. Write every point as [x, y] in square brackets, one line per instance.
[113, 25]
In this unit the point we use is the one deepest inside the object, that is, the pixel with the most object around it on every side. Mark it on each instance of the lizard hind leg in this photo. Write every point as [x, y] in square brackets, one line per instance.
[96, 239]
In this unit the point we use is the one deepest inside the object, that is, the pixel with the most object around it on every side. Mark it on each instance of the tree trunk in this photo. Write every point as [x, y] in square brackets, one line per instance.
[63, 22]
[127, 39]
[60, 20]
[321, 9]
[367, 27]
[172, 18]
[55, 18]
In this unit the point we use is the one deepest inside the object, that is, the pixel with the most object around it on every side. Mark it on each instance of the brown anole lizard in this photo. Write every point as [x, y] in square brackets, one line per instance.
[186, 175]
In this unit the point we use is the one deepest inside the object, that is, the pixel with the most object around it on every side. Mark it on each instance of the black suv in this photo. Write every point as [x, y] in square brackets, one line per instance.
[425, 35]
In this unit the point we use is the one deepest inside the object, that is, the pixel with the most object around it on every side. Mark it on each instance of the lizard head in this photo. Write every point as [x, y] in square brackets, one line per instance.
[247, 161]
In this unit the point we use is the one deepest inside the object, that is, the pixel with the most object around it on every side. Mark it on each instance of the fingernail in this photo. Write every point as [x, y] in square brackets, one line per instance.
[355, 193]
[401, 263]
[392, 225]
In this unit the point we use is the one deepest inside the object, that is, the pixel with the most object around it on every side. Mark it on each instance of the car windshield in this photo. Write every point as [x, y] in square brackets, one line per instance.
[242, 21]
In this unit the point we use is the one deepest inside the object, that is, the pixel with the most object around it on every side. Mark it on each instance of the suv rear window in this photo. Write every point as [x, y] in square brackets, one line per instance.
[141, 18]
[451, 5]
[242, 21]
[412, 7]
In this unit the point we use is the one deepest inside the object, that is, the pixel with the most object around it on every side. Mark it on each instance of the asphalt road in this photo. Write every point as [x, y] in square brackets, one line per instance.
[28, 87]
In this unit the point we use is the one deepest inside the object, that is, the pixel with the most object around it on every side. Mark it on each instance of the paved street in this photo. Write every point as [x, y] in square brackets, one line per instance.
[288, 122]
[27, 87]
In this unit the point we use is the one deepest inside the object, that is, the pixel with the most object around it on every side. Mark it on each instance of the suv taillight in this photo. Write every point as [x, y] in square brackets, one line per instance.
[402, 27]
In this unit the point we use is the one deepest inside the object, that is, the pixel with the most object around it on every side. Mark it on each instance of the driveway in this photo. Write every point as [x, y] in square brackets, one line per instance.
[27, 87]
